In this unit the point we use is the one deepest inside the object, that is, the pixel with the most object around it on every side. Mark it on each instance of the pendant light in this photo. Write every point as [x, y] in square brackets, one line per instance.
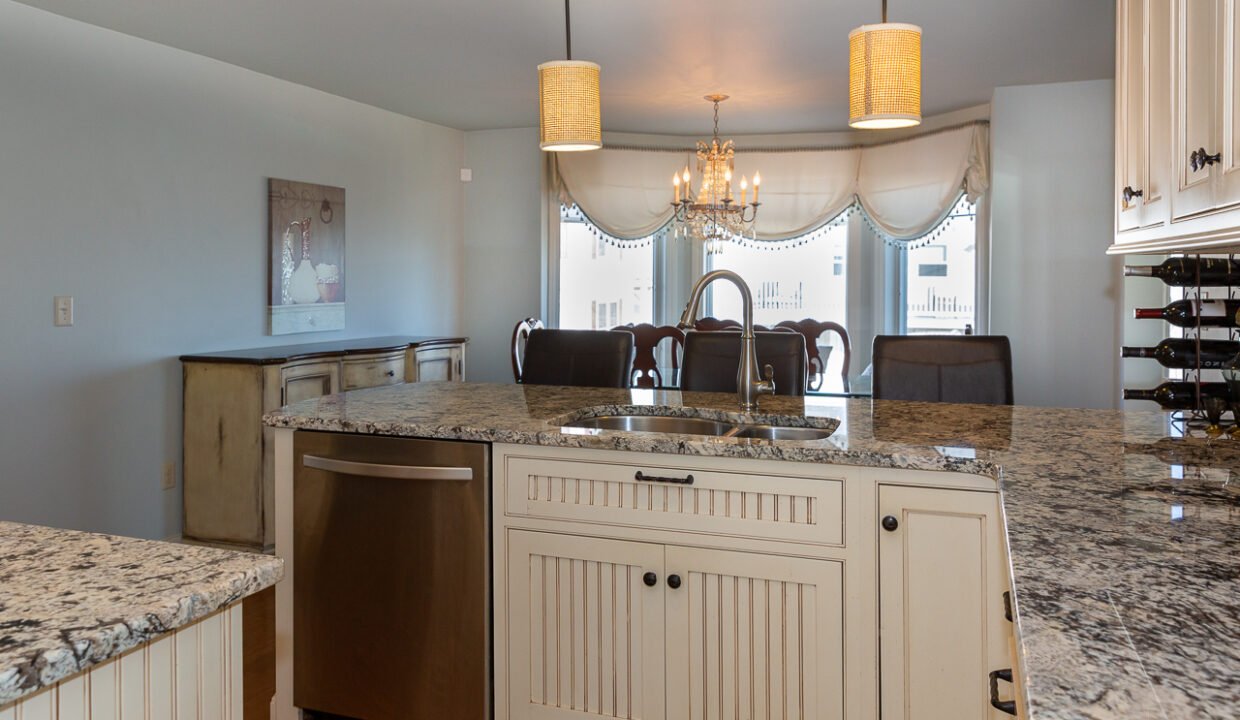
[568, 101]
[884, 75]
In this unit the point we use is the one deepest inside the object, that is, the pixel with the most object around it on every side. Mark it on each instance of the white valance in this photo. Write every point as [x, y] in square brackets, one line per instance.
[905, 187]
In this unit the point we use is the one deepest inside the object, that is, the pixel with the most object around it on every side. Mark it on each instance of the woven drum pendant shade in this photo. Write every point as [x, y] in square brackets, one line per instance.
[568, 101]
[884, 76]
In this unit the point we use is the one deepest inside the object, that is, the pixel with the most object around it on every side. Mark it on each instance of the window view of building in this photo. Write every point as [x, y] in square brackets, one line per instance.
[601, 285]
[940, 279]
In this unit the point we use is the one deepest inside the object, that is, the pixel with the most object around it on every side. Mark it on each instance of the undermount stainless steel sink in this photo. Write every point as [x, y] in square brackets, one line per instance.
[780, 432]
[699, 426]
[655, 423]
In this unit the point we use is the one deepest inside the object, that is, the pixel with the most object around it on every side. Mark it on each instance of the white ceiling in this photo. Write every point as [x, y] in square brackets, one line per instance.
[470, 64]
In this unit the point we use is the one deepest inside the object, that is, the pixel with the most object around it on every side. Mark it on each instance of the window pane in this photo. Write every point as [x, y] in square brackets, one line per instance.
[788, 283]
[601, 285]
[941, 278]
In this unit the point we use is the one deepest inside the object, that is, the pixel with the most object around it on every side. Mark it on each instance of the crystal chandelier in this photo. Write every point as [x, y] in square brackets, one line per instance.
[712, 214]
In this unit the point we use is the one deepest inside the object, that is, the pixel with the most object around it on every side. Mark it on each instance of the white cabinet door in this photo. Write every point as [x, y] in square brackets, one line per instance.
[753, 636]
[941, 583]
[1197, 88]
[585, 632]
[1130, 115]
[1228, 144]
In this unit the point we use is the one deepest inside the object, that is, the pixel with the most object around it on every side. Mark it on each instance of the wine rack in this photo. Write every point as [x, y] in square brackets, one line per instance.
[1203, 350]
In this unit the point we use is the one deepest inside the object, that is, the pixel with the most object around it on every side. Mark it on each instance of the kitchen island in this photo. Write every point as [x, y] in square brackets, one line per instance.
[103, 626]
[1123, 543]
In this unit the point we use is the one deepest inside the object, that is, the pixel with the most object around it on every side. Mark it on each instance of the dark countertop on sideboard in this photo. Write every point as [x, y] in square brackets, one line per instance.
[279, 354]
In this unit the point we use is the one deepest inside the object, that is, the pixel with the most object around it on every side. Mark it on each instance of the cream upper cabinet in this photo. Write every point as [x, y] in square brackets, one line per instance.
[1143, 113]
[1197, 76]
[1177, 126]
[941, 580]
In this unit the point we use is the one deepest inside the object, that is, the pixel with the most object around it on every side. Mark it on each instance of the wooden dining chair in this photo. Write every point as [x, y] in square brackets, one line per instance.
[710, 324]
[520, 334]
[812, 329]
[646, 372]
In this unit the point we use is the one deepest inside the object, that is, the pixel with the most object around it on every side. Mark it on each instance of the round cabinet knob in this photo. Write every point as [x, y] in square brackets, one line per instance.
[673, 581]
[650, 579]
[890, 523]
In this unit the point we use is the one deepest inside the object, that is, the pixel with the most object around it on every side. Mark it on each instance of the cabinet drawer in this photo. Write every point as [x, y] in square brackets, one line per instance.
[793, 509]
[373, 370]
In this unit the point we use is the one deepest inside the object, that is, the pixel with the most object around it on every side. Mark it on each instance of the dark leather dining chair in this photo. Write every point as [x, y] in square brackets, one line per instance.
[943, 368]
[585, 358]
[711, 360]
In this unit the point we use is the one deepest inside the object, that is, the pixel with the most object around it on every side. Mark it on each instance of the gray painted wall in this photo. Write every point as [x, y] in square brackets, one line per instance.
[133, 177]
[503, 246]
[1054, 291]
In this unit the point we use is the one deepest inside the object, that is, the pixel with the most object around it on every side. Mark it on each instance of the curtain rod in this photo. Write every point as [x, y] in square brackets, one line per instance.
[803, 148]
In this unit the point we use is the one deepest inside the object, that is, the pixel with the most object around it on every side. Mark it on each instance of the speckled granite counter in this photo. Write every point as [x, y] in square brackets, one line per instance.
[69, 600]
[1125, 545]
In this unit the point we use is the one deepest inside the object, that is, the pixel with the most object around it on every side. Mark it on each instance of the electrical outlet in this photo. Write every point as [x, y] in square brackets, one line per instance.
[169, 479]
[63, 316]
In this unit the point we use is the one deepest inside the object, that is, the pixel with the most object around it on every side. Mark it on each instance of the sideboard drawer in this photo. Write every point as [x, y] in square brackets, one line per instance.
[365, 371]
[807, 510]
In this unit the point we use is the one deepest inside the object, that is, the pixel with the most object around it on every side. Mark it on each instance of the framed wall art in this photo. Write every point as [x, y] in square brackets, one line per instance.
[307, 279]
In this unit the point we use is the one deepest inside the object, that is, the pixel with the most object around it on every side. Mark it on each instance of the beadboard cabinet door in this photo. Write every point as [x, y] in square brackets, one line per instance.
[586, 638]
[941, 583]
[753, 636]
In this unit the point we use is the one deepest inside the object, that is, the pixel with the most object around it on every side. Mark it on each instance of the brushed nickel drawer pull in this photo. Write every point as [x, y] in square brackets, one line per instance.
[397, 472]
[688, 480]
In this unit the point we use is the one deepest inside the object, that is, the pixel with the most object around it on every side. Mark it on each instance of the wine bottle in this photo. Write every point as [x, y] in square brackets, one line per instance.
[1188, 313]
[1184, 353]
[1178, 395]
[1185, 271]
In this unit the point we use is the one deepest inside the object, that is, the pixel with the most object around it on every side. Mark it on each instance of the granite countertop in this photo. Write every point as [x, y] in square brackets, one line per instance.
[70, 600]
[1124, 543]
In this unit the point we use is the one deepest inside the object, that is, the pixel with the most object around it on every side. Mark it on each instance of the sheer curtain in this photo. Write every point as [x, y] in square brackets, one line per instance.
[904, 187]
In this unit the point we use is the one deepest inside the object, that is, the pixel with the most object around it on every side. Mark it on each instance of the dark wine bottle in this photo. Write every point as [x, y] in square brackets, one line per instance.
[1184, 271]
[1178, 395]
[1187, 313]
[1183, 353]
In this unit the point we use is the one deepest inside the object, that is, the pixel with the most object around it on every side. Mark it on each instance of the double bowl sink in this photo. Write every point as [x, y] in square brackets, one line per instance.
[700, 426]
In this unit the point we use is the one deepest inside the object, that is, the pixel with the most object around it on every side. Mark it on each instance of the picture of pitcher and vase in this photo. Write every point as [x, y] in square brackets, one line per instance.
[307, 257]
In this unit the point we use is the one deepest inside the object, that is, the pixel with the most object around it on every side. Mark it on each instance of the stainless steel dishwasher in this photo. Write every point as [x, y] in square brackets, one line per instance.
[391, 602]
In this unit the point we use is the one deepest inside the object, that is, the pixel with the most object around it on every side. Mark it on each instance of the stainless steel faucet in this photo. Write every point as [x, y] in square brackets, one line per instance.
[748, 383]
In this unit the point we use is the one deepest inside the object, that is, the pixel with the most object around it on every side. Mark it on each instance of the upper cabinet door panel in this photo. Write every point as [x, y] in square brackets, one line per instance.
[1159, 59]
[1196, 89]
[1130, 91]
[1228, 170]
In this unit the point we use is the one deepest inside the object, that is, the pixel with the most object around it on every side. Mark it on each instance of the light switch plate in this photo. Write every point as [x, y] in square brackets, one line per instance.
[467, 174]
[63, 306]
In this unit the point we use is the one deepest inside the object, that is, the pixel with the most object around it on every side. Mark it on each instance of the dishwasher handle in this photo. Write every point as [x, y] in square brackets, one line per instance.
[396, 472]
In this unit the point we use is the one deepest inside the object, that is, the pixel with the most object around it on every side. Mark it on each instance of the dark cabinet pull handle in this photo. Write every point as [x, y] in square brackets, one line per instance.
[1007, 605]
[391, 373]
[650, 579]
[1007, 706]
[890, 523]
[638, 476]
[1199, 159]
[673, 581]
[1129, 193]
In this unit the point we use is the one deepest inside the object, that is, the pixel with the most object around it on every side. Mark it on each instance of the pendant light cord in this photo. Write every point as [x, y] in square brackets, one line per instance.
[568, 28]
[884, 10]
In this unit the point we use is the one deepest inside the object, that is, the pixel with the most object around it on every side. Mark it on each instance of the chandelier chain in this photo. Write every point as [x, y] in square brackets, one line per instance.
[717, 119]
